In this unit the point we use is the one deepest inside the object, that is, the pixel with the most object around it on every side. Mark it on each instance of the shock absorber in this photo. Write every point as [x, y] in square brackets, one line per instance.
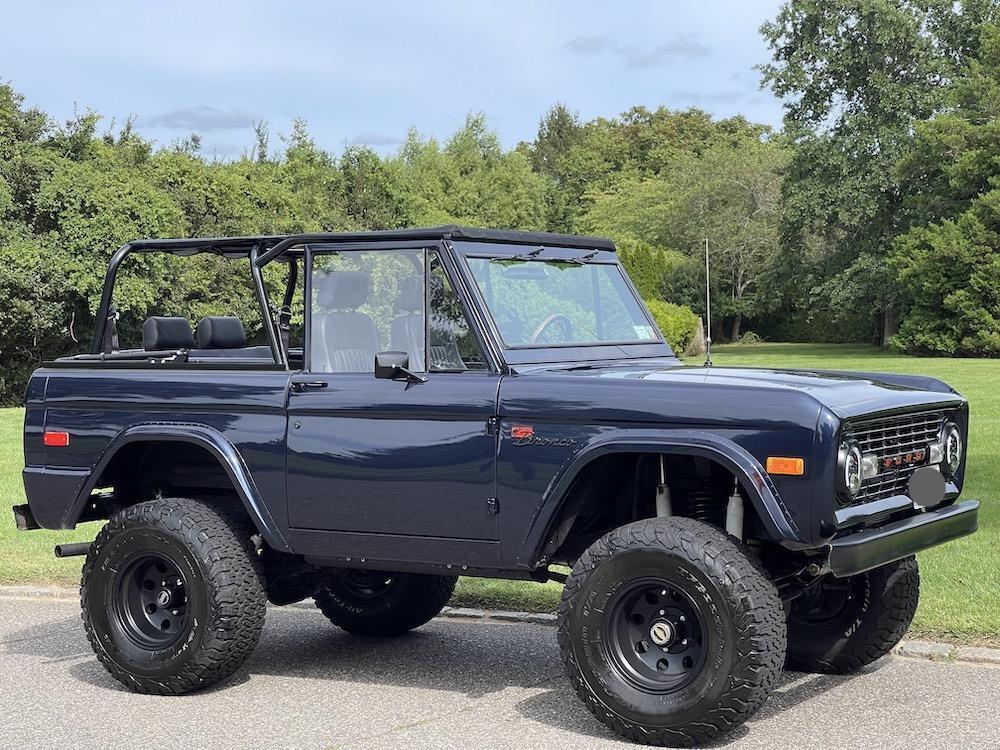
[734, 515]
[663, 506]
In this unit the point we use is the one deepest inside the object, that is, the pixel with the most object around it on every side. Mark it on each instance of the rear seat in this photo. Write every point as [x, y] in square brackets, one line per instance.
[162, 333]
[225, 337]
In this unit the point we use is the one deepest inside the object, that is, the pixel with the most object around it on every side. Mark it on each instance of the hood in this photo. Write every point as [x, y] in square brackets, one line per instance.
[843, 393]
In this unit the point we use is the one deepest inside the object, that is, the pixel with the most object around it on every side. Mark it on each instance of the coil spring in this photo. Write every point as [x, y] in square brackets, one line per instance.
[704, 504]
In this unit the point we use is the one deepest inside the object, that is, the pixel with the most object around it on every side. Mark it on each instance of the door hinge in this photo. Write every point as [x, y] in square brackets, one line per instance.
[491, 426]
[492, 506]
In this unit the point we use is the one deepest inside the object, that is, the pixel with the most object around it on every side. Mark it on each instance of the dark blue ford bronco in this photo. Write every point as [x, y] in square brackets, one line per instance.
[429, 403]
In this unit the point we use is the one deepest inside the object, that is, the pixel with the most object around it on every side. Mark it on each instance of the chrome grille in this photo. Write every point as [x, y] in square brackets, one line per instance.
[888, 437]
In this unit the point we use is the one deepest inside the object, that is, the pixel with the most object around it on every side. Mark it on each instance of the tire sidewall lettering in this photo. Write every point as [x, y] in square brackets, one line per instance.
[604, 687]
[114, 555]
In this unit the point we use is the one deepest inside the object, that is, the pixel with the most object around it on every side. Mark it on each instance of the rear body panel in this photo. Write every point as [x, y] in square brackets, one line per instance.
[95, 406]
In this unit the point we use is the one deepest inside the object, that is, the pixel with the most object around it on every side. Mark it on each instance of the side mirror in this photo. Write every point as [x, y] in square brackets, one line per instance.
[388, 365]
[395, 366]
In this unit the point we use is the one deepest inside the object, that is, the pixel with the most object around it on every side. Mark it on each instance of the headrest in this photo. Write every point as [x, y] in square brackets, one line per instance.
[221, 333]
[160, 333]
[342, 290]
[411, 295]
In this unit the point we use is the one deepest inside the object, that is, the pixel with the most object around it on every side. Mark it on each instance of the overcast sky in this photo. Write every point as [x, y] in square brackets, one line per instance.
[367, 72]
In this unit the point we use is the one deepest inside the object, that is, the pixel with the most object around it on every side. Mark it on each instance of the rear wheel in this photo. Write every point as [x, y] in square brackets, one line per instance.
[171, 598]
[845, 624]
[370, 602]
[669, 633]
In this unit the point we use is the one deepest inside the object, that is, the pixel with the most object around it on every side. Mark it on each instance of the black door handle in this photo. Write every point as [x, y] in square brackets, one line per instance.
[299, 385]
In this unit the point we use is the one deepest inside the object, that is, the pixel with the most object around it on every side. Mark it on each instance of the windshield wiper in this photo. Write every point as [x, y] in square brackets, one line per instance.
[582, 260]
[522, 256]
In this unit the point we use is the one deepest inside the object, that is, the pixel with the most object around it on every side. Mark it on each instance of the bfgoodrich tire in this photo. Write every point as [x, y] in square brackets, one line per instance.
[373, 603]
[172, 601]
[669, 633]
[848, 623]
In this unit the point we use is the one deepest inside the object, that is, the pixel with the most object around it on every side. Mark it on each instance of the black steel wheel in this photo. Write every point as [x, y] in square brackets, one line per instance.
[658, 635]
[669, 633]
[171, 596]
[844, 624]
[375, 603]
[150, 601]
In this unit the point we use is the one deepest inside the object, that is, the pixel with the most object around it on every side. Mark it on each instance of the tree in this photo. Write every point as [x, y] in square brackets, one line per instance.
[372, 195]
[950, 267]
[856, 75]
[558, 132]
[727, 195]
[471, 180]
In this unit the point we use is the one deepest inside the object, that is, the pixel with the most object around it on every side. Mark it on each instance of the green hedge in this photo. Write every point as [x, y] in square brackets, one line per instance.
[677, 323]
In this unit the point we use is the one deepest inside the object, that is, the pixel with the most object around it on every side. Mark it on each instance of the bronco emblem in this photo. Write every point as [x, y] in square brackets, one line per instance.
[525, 435]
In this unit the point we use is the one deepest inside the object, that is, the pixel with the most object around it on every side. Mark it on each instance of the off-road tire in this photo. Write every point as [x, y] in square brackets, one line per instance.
[744, 631]
[224, 596]
[875, 618]
[407, 601]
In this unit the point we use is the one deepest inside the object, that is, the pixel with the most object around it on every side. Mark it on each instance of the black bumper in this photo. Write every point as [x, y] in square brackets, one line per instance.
[874, 547]
[24, 519]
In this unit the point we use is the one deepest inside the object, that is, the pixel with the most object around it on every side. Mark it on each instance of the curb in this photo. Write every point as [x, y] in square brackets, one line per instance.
[911, 649]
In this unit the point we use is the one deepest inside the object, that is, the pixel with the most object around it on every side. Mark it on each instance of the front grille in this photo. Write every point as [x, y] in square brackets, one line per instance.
[889, 437]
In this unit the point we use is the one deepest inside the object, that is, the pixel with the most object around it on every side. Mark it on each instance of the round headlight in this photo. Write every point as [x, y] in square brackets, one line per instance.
[850, 468]
[952, 448]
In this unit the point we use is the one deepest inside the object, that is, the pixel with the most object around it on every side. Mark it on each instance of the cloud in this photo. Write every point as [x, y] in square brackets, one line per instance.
[638, 58]
[368, 138]
[591, 45]
[201, 117]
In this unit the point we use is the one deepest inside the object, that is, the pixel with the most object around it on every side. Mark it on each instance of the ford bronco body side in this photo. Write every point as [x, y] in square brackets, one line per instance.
[422, 404]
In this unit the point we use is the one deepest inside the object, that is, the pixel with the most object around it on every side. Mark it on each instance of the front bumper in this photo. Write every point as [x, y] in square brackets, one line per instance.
[871, 548]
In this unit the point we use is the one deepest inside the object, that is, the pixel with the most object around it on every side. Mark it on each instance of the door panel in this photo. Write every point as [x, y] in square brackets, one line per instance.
[387, 457]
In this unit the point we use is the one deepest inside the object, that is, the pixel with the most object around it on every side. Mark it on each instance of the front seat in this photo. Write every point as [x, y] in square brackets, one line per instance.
[407, 332]
[346, 340]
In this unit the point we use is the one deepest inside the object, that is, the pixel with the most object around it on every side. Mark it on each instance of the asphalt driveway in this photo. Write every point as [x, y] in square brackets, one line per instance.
[452, 684]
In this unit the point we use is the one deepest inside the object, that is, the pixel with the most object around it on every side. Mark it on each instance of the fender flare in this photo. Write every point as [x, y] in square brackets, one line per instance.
[542, 540]
[209, 438]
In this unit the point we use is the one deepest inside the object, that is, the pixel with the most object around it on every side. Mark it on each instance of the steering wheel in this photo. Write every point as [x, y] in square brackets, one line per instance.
[566, 323]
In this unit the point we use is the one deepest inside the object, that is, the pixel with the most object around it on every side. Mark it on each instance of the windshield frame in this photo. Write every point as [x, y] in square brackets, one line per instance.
[567, 351]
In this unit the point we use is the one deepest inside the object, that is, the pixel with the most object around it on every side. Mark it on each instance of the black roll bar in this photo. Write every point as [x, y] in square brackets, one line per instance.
[277, 350]
[105, 306]
[125, 250]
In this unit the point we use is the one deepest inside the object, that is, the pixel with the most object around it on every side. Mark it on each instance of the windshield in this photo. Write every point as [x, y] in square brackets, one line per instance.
[560, 303]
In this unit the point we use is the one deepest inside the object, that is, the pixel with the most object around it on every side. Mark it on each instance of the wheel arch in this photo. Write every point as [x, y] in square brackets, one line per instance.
[214, 443]
[549, 525]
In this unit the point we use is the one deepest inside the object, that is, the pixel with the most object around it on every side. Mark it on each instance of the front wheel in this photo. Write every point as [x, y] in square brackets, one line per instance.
[845, 624]
[171, 596]
[374, 603]
[669, 633]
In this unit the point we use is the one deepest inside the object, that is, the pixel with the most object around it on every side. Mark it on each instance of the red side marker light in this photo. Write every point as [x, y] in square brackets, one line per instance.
[55, 439]
[521, 431]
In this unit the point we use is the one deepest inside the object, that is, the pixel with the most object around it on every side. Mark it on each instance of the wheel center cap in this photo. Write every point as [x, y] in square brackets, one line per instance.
[661, 633]
[164, 597]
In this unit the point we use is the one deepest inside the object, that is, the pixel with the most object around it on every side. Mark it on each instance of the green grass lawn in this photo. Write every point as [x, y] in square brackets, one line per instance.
[960, 581]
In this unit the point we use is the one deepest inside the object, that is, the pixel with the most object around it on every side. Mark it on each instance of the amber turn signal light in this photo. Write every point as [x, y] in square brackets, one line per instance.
[793, 467]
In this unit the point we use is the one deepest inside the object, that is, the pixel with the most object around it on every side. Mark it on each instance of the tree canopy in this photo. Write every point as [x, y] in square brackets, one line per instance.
[875, 207]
